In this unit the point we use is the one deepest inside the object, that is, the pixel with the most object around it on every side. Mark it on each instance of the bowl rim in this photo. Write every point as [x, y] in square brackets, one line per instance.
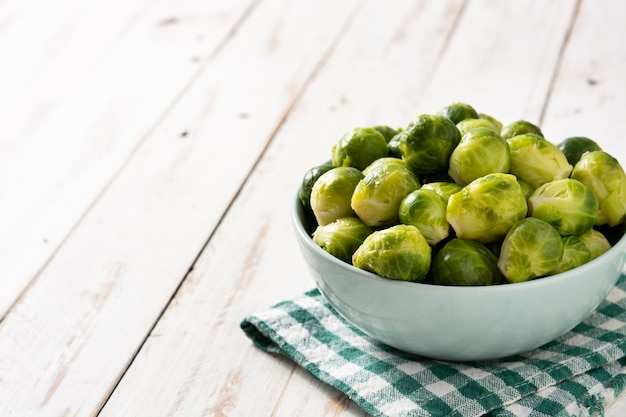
[551, 280]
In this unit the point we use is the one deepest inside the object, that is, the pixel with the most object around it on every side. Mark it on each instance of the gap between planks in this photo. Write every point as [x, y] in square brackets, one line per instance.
[281, 121]
[559, 60]
[186, 87]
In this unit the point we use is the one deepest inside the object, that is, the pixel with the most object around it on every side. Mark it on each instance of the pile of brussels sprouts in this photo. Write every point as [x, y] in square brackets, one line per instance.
[456, 198]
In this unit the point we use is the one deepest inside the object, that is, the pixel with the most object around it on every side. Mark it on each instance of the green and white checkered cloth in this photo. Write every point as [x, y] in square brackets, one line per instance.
[575, 375]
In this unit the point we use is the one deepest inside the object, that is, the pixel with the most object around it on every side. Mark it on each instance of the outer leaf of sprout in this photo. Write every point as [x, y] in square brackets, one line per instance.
[342, 237]
[427, 143]
[567, 204]
[537, 161]
[486, 208]
[481, 151]
[531, 249]
[426, 210]
[359, 147]
[332, 192]
[465, 262]
[596, 242]
[604, 175]
[377, 196]
[575, 254]
[398, 252]
[443, 188]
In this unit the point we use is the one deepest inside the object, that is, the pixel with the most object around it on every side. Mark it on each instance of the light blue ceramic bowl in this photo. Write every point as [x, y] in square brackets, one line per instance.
[460, 323]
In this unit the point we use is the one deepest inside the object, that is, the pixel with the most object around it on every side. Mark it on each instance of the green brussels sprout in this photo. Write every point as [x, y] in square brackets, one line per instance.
[495, 122]
[444, 188]
[376, 198]
[466, 125]
[596, 242]
[568, 205]
[332, 193]
[537, 161]
[465, 262]
[605, 176]
[520, 127]
[531, 249]
[575, 254]
[394, 146]
[359, 147]
[481, 151]
[342, 237]
[458, 112]
[307, 184]
[427, 143]
[486, 208]
[398, 252]
[526, 188]
[387, 132]
[574, 147]
[426, 210]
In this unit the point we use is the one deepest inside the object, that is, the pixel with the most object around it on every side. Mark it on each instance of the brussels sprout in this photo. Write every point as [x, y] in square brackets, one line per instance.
[427, 143]
[495, 122]
[481, 151]
[458, 112]
[394, 146]
[426, 210]
[596, 242]
[486, 208]
[359, 147]
[342, 237]
[526, 188]
[307, 183]
[398, 252]
[444, 188]
[531, 249]
[376, 198]
[567, 204]
[605, 176]
[537, 161]
[574, 147]
[465, 262]
[520, 127]
[575, 254]
[332, 193]
[387, 132]
[466, 125]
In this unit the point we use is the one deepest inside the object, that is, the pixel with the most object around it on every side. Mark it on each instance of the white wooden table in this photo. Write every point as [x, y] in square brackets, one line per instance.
[150, 150]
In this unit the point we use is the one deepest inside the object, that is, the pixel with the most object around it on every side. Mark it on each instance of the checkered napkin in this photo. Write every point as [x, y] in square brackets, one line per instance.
[575, 375]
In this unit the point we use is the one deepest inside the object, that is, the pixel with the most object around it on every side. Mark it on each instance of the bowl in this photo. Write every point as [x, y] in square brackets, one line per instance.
[459, 323]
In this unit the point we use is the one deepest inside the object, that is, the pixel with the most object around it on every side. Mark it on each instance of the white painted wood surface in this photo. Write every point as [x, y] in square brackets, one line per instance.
[149, 152]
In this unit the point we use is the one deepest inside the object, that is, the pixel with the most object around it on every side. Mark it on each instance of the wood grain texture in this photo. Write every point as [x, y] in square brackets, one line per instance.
[73, 333]
[588, 97]
[83, 88]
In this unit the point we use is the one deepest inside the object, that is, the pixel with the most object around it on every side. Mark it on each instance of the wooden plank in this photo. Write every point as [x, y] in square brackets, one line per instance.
[129, 61]
[214, 349]
[307, 396]
[72, 334]
[588, 96]
[502, 57]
